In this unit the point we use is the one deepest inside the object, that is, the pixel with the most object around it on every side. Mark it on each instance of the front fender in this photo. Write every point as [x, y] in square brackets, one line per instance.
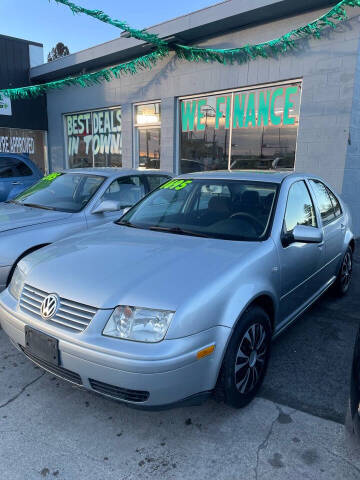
[222, 302]
[246, 297]
[14, 243]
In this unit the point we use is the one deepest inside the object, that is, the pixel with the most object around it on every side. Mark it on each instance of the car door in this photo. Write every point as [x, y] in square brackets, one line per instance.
[7, 177]
[15, 177]
[333, 225]
[25, 175]
[300, 263]
[126, 190]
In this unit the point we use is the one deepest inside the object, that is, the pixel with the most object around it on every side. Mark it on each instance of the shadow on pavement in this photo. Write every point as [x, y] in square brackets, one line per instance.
[311, 362]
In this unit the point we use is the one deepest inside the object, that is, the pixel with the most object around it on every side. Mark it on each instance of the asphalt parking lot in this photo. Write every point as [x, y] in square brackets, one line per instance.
[310, 363]
[50, 429]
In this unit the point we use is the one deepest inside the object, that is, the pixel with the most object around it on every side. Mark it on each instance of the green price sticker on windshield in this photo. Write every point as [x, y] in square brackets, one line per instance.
[52, 176]
[176, 184]
[40, 185]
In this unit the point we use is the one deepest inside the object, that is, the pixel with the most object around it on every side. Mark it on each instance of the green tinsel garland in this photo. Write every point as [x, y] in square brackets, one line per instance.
[240, 55]
[103, 17]
[88, 79]
[281, 45]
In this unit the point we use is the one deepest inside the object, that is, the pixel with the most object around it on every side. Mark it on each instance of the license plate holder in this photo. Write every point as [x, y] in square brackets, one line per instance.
[42, 346]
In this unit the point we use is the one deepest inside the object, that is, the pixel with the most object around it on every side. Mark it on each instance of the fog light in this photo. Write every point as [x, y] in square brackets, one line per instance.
[205, 351]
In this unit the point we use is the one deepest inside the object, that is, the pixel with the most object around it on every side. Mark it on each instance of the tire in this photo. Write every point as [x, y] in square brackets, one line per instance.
[343, 280]
[238, 385]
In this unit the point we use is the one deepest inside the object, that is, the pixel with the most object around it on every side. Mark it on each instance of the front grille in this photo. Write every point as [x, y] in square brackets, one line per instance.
[58, 371]
[118, 392]
[71, 315]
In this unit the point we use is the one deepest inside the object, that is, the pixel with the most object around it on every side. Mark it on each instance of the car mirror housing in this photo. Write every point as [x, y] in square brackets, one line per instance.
[305, 234]
[107, 206]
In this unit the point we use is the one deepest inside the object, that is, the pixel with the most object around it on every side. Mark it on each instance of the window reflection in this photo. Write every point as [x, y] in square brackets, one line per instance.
[94, 138]
[262, 124]
[148, 135]
[299, 208]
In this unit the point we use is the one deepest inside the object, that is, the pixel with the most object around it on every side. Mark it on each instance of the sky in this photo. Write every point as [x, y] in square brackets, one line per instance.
[48, 22]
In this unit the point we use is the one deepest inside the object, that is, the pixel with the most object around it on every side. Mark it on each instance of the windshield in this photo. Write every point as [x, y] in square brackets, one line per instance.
[228, 209]
[66, 192]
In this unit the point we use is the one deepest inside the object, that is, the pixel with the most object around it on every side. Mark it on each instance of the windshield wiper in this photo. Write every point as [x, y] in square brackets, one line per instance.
[35, 205]
[12, 201]
[127, 224]
[178, 230]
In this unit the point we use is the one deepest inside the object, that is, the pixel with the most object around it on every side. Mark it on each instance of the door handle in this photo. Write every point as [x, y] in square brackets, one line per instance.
[15, 183]
[320, 245]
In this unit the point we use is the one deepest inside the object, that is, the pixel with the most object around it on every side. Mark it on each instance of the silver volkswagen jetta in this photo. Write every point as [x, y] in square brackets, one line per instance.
[64, 203]
[182, 295]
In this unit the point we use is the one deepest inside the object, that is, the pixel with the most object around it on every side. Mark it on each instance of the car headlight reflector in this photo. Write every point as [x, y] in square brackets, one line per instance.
[138, 324]
[17, 283]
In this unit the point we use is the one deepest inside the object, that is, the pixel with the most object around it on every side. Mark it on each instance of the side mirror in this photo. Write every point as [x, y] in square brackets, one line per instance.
[107, 206]
[303, 234]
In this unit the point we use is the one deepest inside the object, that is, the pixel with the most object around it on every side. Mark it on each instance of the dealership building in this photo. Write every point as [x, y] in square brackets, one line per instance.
[23, 123]
[299, 111]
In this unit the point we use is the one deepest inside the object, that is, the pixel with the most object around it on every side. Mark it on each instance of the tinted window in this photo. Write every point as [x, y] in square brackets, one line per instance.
[66, 192]
[299, 208]
[155, 181]
[335, 202]
[13, 167]
[324, 202]
[125, 190]
[22, 170]
[227, 209]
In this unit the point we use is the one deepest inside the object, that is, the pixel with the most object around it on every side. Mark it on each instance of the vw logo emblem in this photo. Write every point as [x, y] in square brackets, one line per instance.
[49, 306]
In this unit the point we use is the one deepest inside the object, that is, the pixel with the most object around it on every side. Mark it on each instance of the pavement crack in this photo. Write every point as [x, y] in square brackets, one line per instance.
[265, 442]
[12, 399]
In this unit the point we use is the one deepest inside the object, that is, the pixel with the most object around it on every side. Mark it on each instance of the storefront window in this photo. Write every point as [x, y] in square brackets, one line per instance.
[147, 135]
[31, 143]
[252, 129]
[94, 138]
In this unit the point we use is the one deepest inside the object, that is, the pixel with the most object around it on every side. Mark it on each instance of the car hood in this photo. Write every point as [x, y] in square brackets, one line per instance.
[13, 216]
[113, 265]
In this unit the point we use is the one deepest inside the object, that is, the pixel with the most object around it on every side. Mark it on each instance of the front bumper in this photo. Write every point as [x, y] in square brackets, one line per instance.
[168, 371]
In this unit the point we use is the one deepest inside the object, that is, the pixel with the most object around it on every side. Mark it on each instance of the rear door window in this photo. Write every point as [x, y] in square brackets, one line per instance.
[336, 203]
[324, 201]
[155, 181]
[13, 167]
[125, 190]
[21, 169]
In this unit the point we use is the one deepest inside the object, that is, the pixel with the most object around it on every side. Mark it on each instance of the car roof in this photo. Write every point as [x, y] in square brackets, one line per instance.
[114, 171]
[271, 176]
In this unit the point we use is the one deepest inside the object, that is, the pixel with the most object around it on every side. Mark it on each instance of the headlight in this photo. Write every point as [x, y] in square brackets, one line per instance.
[138, 324]
[16, 283]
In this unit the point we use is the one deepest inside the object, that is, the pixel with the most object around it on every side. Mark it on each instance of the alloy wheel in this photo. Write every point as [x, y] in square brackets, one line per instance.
[250, 358]
[346, 270]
